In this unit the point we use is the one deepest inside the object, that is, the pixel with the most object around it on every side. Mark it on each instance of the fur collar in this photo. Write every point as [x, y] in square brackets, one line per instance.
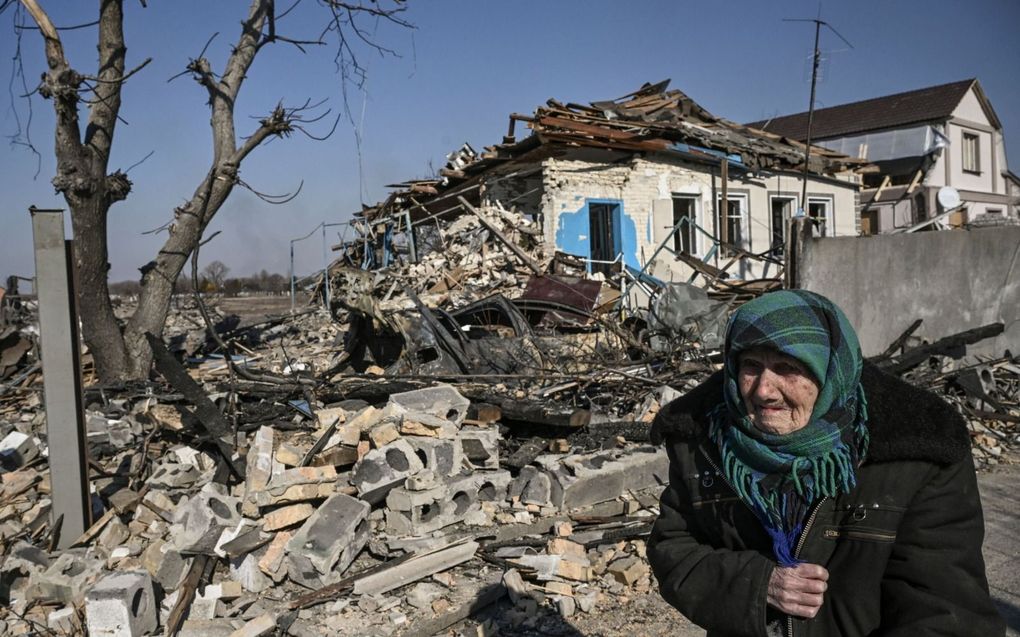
[904, 421]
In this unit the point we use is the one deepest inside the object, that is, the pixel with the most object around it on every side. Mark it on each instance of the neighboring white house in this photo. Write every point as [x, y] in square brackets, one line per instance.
[921, 140]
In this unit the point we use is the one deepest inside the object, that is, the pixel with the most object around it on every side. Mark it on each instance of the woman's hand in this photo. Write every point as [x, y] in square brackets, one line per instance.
[798, 590]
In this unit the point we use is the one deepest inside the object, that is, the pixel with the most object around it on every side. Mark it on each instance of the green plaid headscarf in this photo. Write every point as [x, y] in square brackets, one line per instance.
[780, 476]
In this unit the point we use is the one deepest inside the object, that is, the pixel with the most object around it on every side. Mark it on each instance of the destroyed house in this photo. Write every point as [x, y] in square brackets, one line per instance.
[638, 184]
[922, 142]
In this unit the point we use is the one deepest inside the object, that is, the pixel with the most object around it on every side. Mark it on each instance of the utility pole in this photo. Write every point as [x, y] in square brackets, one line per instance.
[815, 61]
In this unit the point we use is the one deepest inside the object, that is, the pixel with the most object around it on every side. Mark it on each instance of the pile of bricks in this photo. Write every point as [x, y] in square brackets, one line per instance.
[356, 487]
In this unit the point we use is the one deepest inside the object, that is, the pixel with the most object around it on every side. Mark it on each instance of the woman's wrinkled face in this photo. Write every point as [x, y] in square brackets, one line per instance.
[778, 390]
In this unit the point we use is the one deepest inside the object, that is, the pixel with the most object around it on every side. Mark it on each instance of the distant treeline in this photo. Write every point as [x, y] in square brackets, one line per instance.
[263, 282]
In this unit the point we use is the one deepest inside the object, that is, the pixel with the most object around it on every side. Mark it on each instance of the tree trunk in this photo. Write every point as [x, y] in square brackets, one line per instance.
[160, 275]
[99, 326]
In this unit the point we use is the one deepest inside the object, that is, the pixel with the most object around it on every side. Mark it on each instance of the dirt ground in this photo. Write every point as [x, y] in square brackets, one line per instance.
[251, 309]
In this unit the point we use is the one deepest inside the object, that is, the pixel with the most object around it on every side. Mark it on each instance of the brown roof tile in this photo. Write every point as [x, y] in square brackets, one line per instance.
[890, 111]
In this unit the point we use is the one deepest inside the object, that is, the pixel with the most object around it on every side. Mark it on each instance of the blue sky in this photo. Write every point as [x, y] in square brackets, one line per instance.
[466, 67]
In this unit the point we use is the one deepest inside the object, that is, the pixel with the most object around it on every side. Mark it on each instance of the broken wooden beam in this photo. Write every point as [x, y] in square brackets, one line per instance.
[918, 355]
[499, 235]
[207, 413]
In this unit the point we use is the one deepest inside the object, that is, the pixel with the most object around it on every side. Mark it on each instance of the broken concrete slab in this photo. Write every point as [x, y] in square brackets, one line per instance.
[441, 401]
[121, 605]
[259, 468]
[415, 568]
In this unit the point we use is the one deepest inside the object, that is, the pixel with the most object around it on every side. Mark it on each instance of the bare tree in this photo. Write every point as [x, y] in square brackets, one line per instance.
[121, 351]
[216, 273]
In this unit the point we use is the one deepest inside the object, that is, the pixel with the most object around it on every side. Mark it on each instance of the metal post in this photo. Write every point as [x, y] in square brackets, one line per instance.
[810, 119]
[292, 276]
[65, 422]
[325, 268]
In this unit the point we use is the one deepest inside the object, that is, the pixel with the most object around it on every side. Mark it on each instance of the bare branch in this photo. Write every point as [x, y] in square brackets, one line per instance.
[74, 28]
[140, 161]
[121, 79]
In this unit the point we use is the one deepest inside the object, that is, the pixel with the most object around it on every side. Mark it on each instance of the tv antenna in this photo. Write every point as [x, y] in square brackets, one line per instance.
[816, 59]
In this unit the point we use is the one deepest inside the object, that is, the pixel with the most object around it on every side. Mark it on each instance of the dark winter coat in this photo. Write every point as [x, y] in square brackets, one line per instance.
[903, 549]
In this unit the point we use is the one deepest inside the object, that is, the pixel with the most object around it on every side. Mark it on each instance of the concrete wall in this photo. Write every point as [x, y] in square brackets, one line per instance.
[953, 280]
[644, 189]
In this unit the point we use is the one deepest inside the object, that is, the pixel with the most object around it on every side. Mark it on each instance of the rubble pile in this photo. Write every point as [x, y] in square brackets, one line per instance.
[459, 261]
[449, 434]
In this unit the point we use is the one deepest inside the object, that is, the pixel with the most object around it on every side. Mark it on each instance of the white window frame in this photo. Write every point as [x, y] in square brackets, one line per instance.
[692, 231]
[828, 228]
[970, 150]
[743, 217]
[794, 203]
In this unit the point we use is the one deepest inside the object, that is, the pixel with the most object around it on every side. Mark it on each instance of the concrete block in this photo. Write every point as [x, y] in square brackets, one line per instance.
[331, 538]
[441, 401]
[17, 449]
[245, 570]
[442, 457]
[121, 605]
[67, 578]
[483, 486]
[480, 447]
[532, 486]
[199, 524]
[586, 479]
[23, 559]
[418, 513]
[382, 469]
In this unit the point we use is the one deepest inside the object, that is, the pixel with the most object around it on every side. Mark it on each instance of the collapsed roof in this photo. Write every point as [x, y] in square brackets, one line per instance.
[649, 120]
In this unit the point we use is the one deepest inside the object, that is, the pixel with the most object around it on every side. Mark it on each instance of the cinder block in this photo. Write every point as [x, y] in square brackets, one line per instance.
[331, 538]
[66, 579]
[121, 605]
[480, 447]
[199, 523]
[441, 401]
[384, 468]
[17, 449]
[586, 479]
[417, 513]
[443, 457]
[480, 486]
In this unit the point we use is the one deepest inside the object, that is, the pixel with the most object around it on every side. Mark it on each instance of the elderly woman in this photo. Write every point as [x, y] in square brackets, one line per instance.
[812, 494]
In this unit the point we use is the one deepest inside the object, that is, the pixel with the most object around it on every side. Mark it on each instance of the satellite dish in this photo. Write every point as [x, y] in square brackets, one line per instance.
[948, 197]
